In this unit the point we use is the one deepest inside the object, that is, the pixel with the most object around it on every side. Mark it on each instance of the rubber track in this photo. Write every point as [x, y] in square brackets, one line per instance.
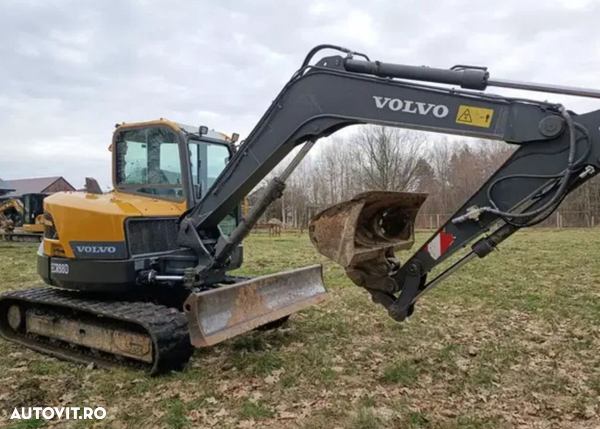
[167, 327]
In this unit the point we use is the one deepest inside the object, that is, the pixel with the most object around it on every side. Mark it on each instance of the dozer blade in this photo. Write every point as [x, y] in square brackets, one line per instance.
[218, 314]
[366, 227]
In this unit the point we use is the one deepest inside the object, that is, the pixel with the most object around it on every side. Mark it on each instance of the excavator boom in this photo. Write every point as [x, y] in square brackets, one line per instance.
[558, 151]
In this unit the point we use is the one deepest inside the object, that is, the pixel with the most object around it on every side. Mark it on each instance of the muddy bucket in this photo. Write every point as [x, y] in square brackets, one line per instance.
[366, 227]
[216, 315]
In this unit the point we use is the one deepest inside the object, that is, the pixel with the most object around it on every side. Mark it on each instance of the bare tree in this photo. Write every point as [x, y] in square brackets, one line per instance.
[439, 156]
[380, 158]
[387, 158]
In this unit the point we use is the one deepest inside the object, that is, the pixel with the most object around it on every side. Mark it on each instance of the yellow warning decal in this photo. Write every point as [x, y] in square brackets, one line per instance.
[475, 116]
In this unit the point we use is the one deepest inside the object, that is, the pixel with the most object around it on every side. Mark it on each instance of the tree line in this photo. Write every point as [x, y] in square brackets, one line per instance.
[382, 158]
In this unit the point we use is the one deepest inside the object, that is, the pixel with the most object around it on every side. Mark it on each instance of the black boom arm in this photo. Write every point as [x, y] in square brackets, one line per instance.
[558, 151]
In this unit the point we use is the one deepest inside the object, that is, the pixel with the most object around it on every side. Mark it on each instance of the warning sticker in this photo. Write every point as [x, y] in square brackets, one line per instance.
[475, 116]
[440, 243]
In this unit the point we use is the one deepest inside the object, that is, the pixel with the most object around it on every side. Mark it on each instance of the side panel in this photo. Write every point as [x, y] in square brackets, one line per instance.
[98, 221]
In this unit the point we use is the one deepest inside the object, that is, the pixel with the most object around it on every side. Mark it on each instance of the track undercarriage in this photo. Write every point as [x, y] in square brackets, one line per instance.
[21, 237]
[73, 327]
[155, 331]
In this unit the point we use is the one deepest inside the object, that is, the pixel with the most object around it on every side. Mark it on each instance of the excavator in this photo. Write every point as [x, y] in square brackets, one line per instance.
[26, 214]
[140, 276]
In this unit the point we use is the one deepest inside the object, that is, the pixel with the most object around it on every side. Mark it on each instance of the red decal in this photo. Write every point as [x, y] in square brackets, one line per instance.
[439, 244]
[445, 241]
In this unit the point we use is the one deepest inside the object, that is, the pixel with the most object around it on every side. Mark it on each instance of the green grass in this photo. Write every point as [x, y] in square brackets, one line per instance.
[28, 424]
[508, 339]
[176, 414]
[416, 420]
[404, 373]
[254, 410]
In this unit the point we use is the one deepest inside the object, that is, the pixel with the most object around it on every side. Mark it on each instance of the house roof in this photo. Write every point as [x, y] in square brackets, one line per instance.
[30, 186]
[5, 186]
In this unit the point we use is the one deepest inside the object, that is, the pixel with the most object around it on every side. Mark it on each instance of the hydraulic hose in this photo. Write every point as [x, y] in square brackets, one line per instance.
[558, 195]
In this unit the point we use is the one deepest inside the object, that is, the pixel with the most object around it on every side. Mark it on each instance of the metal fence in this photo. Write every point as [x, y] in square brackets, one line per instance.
[556, 220]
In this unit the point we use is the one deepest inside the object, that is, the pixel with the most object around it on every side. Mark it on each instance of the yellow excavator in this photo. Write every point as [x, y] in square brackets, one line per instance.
[140, 275]
[22, 219]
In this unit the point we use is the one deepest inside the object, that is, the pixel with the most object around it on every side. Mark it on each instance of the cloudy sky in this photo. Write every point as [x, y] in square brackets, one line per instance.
[70, 70]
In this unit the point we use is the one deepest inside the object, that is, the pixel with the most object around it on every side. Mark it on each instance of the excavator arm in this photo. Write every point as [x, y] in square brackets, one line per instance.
[558, 151]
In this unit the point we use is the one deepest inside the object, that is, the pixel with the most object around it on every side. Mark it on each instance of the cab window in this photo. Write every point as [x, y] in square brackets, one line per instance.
[207, 161]
[147, 161]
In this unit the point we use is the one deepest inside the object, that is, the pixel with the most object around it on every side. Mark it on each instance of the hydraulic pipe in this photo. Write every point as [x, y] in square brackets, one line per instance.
[480, 249]
[165, 278]
[542, 87]
[273, 191]
[467, 77]
[436, 281]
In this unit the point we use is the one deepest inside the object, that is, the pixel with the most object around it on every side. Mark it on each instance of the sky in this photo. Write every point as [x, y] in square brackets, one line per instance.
[71, 70]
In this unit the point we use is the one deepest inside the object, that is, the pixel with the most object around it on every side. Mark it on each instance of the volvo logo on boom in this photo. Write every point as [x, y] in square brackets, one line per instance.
[409, 106]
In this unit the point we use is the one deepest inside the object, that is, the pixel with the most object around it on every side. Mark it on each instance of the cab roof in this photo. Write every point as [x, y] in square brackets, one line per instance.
[190, 129]
[195, 130]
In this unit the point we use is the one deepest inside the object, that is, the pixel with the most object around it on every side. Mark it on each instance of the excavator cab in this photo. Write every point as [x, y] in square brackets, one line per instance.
[104, 242]
[170, 161]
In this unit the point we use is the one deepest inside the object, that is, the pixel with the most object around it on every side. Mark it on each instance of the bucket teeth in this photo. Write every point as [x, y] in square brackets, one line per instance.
[222, 313]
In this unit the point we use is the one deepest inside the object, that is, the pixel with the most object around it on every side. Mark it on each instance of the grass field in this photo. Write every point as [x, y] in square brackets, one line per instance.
[510, 341]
